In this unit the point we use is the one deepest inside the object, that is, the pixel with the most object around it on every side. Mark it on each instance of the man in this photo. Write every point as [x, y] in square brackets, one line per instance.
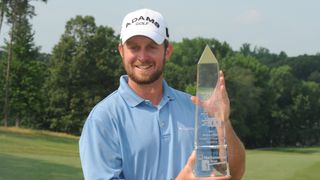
[145, 129]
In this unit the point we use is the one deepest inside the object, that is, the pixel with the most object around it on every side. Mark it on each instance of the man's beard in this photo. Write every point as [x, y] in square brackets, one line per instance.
[146, 79]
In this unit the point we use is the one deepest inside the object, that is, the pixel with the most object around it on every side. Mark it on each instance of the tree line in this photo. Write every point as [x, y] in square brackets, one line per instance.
[275, 99]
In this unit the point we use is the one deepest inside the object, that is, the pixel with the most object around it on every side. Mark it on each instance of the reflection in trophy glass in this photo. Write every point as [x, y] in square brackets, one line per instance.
[210, 140]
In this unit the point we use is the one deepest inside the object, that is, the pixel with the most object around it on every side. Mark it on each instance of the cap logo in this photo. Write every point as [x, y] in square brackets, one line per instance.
[142, 21]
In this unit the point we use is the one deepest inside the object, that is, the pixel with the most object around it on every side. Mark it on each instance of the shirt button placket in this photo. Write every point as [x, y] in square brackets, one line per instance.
[161, 123]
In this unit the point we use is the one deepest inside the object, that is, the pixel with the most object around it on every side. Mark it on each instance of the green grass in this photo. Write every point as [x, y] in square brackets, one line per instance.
[283, 164]
[31, 154]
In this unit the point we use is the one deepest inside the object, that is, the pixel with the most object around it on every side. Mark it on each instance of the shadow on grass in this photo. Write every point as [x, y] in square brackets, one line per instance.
[12, 167]
[40, 136]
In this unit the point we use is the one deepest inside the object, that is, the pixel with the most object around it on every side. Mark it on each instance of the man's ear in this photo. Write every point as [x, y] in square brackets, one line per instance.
[120, 49]
[169, 51]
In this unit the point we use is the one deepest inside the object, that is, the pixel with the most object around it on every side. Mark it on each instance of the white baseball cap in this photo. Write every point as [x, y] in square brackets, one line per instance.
[145, 22]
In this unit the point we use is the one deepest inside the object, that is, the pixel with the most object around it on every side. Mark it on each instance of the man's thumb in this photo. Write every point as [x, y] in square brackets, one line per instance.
[192, 159]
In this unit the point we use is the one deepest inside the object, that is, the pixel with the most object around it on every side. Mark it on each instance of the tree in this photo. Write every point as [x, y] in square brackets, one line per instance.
[245, 49]
[3, 9]
[303, 66]
[188, 52]
[246, 85]
[284, 87]
[181, 69]
[84, 68]
[315, 76]
[17, 13]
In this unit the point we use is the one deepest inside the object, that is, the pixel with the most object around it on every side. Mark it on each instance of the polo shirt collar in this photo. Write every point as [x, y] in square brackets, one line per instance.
[167, 94]
[133, 99]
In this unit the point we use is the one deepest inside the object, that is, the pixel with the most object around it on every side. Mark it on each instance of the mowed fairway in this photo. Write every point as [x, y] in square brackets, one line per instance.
[30, 154]
[284, 164]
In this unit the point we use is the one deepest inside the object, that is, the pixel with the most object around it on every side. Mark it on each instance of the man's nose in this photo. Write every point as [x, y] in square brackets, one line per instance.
[143, 55]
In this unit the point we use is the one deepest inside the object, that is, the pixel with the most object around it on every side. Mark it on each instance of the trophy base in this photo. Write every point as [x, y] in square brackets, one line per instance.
[209, 163]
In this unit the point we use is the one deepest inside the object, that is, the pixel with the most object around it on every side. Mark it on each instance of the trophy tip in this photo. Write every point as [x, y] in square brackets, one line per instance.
[207, 56]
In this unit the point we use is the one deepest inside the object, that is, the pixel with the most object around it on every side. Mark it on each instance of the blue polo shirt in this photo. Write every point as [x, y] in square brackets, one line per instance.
[126, 137]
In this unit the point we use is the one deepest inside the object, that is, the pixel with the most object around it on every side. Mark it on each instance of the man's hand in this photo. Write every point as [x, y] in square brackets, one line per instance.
[218, 105]
[187, 172]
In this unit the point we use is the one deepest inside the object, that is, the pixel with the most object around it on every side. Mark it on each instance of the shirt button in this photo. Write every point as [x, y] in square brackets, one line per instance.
[161, 124]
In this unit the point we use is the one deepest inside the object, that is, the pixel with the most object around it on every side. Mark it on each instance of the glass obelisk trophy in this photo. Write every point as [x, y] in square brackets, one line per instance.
[210, 140]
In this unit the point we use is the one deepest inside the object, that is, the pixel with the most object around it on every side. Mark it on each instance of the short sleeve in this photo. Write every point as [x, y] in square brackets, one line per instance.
[99, 145]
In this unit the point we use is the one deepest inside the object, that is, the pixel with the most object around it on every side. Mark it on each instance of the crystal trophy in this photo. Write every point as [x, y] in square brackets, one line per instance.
[210, 140]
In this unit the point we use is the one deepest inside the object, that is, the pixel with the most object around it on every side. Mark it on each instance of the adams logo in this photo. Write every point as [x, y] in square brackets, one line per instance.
[142, 21]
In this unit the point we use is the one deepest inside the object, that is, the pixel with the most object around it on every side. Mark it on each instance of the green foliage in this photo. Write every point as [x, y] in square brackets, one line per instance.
[27, 72]
[191, 89]
[245, 77]
[188, 52]
[274, 98]
[84, 68]
[263, 54]
[303, 66]
[181, 69]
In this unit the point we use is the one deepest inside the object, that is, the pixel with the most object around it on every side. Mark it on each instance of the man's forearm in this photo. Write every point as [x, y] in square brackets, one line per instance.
[236, 153]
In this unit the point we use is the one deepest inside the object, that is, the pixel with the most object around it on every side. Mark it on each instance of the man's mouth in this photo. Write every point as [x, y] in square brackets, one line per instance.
[144, 67]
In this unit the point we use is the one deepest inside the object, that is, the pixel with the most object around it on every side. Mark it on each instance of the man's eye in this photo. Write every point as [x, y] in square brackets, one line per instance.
[152, 47]
[133, 48]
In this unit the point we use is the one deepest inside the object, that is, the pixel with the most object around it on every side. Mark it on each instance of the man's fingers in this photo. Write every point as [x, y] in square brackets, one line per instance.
[192, 160]
[221, 81]
[217, 178]
[196, 100]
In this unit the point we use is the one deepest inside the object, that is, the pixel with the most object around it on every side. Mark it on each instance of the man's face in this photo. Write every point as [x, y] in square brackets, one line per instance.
[143, 59]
